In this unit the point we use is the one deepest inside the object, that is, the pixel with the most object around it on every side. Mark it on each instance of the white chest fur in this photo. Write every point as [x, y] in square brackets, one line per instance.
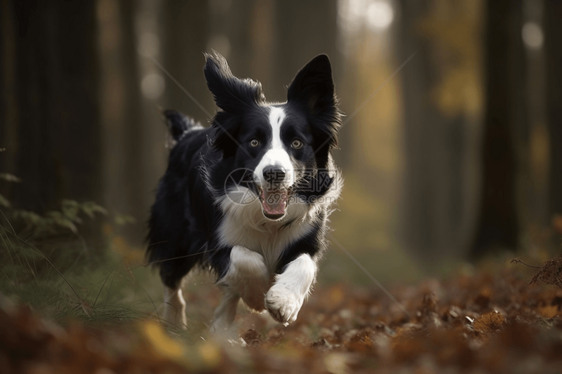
[245, 225]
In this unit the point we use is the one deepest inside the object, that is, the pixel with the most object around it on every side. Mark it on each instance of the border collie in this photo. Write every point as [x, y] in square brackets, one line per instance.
[249, 197]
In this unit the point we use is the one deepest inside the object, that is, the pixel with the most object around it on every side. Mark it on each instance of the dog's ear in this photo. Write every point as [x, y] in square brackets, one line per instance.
[313, 91]
[313, 85]
[231, 94]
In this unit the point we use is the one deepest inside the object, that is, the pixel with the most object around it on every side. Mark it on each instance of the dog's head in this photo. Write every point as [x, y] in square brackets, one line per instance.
[282, 150]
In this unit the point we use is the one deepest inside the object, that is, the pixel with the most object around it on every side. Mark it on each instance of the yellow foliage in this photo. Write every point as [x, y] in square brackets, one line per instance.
[453, 31]
[161, 342]
[210, 354]
[375, 127]
[336, 295]
[130, 254]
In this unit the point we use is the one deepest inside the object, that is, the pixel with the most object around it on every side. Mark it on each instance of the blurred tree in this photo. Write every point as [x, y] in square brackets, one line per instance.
[441, 115]
[231, 33]
[132, 174]
[303, 29]
[497, 223]
[8, 112]
[54, 132]
[553, 44]
[529, 122]
[122, 112]
[141, 43]
[243, 32]
[185, 32]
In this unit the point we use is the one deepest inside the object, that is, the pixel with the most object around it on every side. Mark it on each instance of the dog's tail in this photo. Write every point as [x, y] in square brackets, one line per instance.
[178, 123]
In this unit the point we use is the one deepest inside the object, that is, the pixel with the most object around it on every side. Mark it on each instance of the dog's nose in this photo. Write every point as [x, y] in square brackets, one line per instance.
[274, 174]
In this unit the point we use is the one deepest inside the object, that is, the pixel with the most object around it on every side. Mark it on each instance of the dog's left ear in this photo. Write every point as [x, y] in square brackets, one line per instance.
[313, 85]
[313, 90]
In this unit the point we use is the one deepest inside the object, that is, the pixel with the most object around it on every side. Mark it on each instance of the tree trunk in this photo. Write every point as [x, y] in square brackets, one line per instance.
[553, 43]
[58, 131]
[8, 99]
[498, 224]
[184, 39]
[133, 173]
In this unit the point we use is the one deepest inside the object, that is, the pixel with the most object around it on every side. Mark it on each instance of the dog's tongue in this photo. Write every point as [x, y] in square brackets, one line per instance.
[274, 201]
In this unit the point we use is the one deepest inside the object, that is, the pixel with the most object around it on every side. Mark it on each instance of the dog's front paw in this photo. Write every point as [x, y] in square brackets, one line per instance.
[283, 304]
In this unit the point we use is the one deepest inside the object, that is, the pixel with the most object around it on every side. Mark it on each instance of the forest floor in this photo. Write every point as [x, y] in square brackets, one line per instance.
[487, 322]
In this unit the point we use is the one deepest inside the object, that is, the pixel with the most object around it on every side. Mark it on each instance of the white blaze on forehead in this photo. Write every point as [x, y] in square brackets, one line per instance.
[276, 155]
[276, 117]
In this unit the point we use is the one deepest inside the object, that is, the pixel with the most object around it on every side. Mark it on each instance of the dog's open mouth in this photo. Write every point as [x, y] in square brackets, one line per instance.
[274, 202]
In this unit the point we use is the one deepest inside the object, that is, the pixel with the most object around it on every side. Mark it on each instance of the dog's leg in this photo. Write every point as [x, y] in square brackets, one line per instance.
[247, 278]
[225, 312]
[285, 298]
[174, 307]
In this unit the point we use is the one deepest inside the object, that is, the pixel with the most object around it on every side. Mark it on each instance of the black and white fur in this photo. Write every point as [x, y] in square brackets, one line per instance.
[262, 252]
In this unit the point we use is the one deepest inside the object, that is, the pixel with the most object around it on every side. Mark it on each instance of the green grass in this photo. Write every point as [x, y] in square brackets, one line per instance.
[107, 288]
[57, 275]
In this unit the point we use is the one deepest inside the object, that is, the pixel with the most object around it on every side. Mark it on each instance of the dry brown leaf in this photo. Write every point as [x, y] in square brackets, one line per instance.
[489, 322]
[361, 342]
[549, 311]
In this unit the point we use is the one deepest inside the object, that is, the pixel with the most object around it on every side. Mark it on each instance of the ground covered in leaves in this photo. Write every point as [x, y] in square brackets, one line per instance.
[480, 323]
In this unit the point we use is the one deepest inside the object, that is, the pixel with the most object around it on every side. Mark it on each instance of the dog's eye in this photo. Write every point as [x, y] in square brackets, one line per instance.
[297, 144]
[254, 142]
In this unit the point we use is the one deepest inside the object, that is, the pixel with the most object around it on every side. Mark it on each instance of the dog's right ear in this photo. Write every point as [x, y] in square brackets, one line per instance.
[231, 94]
